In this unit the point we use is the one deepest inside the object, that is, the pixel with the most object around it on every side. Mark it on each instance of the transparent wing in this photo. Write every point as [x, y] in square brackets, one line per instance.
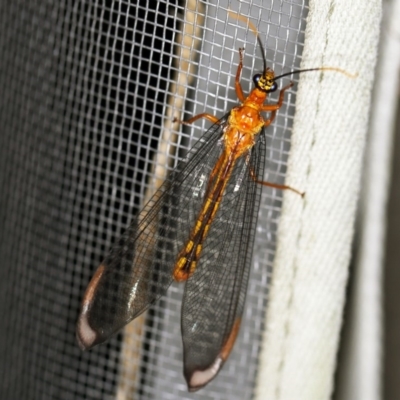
[138, 269]
[215, 295]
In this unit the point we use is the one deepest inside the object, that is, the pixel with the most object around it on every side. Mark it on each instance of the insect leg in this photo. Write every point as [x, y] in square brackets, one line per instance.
[238, 86]
[273, 108]
[210, 117]
[274, 185]
[239, 93]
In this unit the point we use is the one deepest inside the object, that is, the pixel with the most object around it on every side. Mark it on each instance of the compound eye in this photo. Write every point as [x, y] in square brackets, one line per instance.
[256, 79]
[273, 88]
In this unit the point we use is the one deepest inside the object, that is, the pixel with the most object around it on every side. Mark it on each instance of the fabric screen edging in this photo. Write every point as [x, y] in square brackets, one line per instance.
[315, 234]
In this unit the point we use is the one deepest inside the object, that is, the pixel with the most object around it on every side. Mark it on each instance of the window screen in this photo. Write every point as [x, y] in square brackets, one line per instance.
[89, 92]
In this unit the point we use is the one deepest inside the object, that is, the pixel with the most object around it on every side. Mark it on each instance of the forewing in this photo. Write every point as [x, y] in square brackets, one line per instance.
[215, 295]
[138, 269]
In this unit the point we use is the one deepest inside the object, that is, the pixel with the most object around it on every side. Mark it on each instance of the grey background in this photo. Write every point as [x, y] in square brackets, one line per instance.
[80, 114]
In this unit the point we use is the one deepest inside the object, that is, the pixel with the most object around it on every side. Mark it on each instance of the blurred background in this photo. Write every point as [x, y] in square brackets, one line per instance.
[89, 91]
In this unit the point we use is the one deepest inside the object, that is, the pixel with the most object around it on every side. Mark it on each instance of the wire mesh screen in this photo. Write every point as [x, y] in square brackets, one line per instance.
[89, 91]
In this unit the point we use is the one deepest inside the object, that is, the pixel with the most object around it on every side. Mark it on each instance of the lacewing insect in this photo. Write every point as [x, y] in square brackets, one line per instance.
[198, 228]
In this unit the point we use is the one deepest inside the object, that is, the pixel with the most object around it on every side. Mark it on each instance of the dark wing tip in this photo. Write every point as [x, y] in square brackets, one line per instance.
[86, 336]
[196, 379]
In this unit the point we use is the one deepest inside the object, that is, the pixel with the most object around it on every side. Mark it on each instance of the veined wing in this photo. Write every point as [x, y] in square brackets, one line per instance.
[215, 294]
[138, 269]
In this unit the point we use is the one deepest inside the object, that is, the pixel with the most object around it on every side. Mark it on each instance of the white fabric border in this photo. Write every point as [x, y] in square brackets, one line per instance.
[315, 233]
[360, 372]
